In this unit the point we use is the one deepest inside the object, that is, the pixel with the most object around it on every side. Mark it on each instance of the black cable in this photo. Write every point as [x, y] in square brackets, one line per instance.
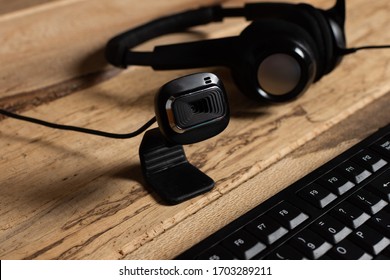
[231, 12]
[80, 129]
[353, 50]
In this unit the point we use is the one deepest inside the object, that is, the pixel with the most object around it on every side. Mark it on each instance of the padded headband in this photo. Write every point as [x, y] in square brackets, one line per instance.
[118, 48]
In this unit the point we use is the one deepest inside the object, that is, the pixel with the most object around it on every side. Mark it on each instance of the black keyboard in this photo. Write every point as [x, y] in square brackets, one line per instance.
[339, 211]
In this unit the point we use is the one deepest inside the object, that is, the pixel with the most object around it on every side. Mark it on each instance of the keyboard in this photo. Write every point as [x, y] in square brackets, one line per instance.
[339, 211]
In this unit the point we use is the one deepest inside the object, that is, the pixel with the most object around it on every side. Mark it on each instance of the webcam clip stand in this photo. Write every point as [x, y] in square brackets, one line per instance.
[167, 171]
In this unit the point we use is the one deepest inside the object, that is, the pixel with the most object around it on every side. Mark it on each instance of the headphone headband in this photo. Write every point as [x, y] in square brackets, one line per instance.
[118, 48]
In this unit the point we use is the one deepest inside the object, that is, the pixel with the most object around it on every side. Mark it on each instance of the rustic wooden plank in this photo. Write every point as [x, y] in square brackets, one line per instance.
[71, 196]
[7, 6]
[45, 58]
[65, 40]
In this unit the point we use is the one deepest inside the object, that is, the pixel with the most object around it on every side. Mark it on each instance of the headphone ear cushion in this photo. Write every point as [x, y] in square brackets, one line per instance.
[314, 23]
[264, 39]
[323, 35]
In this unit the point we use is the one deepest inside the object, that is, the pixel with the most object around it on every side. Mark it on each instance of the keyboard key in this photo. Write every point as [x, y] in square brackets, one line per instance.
[285, 252]
[353, 172]
[310, 244]
[266, 229]
[367, 201]
[336, 183]
[352, 216]
[325, 257]
[243, 245]
[381, 222]
[369, 160]
[387, 209]
[331, 229]
[369, 239]
[381, 185]
[382, 257]
[216, 253]
[346, 250]
[386, 253]
[317, 195]
[382, 146]
[287, 215]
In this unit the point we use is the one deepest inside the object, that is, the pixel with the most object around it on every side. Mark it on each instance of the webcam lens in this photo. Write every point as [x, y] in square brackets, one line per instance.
[279, 74]
[196, 109]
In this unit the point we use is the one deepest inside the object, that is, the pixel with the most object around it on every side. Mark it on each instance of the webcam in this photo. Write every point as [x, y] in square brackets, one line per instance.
[192, 108]
[189, 109]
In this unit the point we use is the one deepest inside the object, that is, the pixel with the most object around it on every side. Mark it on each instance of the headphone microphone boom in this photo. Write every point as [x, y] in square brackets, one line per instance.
[276, 58]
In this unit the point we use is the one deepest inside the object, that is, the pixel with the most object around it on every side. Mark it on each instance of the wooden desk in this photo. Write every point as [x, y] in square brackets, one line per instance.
[66, 195]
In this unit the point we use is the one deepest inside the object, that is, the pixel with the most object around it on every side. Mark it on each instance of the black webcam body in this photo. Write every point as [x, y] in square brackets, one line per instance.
[191, 109]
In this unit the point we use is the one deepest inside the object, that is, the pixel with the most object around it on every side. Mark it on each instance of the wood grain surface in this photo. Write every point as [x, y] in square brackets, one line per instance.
[71, 196]
[8, 7]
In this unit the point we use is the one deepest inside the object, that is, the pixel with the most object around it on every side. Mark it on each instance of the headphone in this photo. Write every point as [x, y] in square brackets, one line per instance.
[285, 49]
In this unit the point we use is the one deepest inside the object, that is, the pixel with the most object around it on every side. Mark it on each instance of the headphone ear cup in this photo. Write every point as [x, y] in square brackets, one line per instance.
[322, 31]
[278, 60]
